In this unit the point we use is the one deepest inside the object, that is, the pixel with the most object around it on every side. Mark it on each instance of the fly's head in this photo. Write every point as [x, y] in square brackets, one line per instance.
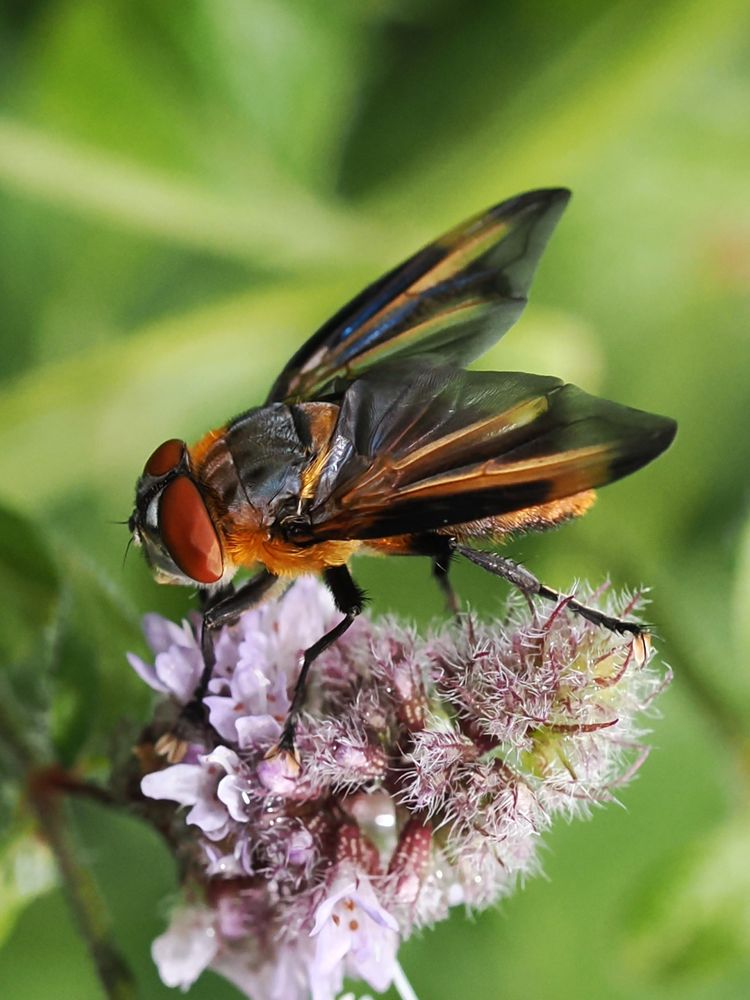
[172, 523]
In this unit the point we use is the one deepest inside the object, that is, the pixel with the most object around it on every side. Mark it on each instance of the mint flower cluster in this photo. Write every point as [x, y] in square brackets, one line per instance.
[431, 766]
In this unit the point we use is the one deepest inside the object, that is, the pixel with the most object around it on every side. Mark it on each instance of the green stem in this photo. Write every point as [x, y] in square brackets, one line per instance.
[82, 892]
[13, 737]
[44, 786]
[402, 985]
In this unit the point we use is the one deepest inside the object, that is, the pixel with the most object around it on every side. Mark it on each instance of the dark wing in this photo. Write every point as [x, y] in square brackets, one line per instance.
[455, 298]
[421, 445]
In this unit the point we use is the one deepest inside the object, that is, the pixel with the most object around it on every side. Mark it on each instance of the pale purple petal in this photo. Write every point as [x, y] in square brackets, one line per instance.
[183, 783]
[233, 792]
[372, 956]
[366, 898]
[249, 688]
[300, 847]
[196, 785]
[307, 612]
[347, 845]
[147, 673]
[284, 977]
[223, 714]
[327, 966]
[325, 909]
[257, 730]
[161, 634]
[351, 925]
[224, 758]
[178, 663]
[277, 699]
[187, 947]
[218, 862]
[180, 671]
[225, 653]
[253, 656]
[231, 917]
[209, 813]
[210, 816]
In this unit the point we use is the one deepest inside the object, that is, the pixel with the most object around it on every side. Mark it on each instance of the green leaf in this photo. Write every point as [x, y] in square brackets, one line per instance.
[741, 596]
[27, 871]
[550, 340]
[65, 630]
[695, 919]
[207, 130]
[98, 699]
[546, 126]
[282, 227]
[291, 72]
[30, 587]
[29, 612]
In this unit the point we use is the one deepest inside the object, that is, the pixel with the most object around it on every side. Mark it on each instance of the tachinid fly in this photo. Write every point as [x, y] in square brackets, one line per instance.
[375, 438]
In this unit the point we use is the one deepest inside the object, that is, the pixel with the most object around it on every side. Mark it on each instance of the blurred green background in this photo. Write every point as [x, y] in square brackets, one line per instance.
[187, 189]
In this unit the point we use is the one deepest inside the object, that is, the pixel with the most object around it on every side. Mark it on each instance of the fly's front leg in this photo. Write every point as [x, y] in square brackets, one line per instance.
[207, 600]
[225, 610]
[222, 608]
[349, 600]
[528, 584]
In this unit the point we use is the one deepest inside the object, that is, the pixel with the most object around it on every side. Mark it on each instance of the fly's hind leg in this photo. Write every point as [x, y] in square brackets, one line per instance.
[440, 549]
[350, 600]
[529, 585]
[440, 570]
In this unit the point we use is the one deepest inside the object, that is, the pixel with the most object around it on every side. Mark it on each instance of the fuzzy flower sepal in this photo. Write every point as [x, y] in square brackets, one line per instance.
[431, 766]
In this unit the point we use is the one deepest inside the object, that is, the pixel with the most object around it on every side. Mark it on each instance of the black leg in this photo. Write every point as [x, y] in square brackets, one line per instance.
[440, 569]
[207, 598]
[440, 548]
[220, 608]
[225, 609]
[528, 584]
[350, 600]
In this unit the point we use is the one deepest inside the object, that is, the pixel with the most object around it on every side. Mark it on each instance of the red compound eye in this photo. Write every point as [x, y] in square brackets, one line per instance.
[187, 531]
[166, 457]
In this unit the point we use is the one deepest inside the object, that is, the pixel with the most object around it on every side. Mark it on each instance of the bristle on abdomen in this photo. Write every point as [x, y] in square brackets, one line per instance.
[540, 517]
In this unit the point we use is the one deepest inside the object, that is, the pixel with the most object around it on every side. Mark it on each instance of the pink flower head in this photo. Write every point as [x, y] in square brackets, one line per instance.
[430, 769]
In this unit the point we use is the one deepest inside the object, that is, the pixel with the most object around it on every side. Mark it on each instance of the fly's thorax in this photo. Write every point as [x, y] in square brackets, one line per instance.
[319, 421]
[268, 455]
[272, 448]
[250, 472]
[259, 470]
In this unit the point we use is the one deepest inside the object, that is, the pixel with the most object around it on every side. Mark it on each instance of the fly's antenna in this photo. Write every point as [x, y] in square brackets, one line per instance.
[127, 549]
